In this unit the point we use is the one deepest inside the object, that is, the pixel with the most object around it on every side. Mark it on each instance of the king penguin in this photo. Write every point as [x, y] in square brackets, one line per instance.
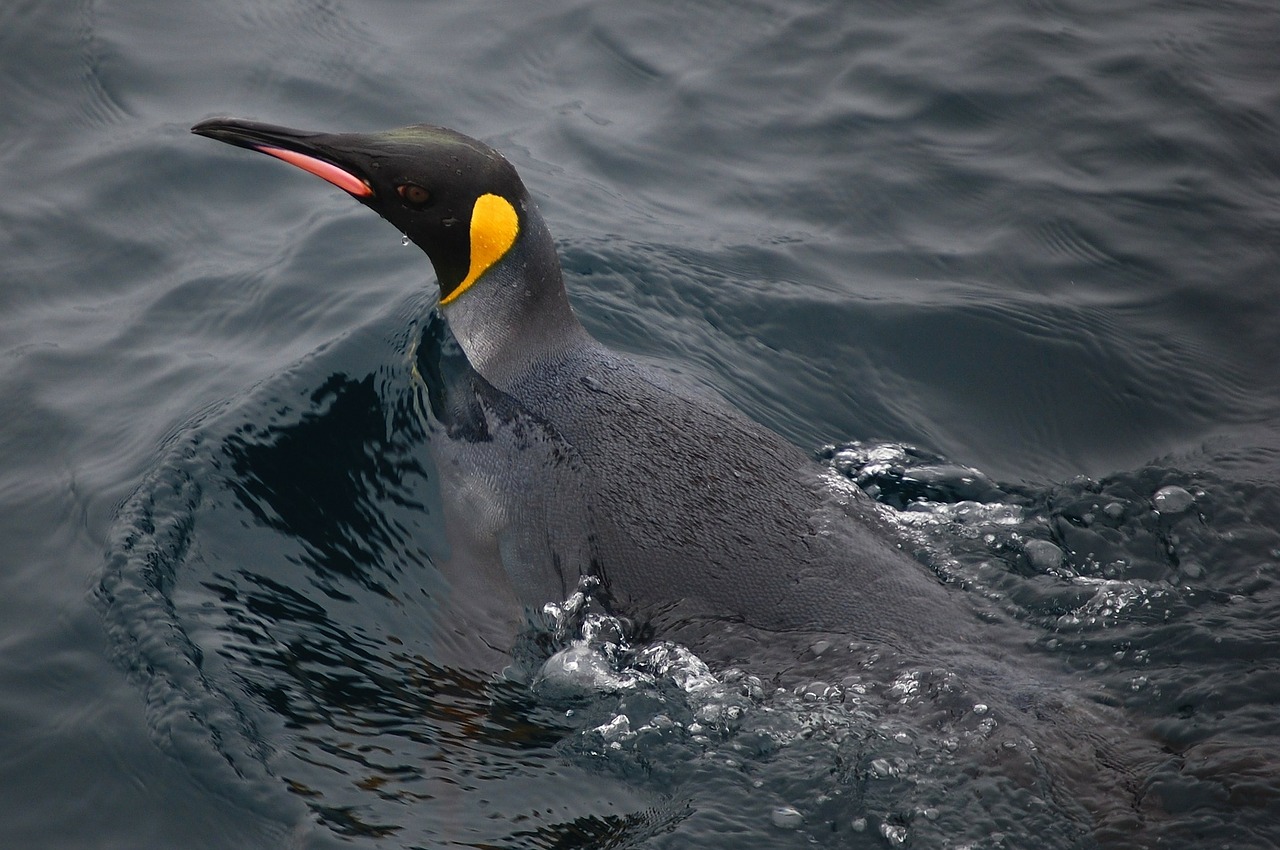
[683, 508]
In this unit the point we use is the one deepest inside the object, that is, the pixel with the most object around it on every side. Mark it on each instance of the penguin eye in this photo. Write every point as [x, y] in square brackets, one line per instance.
[414, 195]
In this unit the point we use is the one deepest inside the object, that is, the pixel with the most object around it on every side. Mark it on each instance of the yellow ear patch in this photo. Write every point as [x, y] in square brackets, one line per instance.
[494, 227]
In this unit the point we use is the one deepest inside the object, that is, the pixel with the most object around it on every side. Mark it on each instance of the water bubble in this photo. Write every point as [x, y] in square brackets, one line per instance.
[1172, 499]
[905, 686]
[575, 672]
[894, 834]
[404, 240]
[815, 691]
[618, 727]
[884, 767]
[679, 664]
[1043, 555]
[566, 617]
[787, 817]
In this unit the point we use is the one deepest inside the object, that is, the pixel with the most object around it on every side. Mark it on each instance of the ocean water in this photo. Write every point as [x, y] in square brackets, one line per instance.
[1010, 267]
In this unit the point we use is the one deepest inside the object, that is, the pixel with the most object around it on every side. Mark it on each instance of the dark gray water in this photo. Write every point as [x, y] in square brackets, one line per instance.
[1041, 240]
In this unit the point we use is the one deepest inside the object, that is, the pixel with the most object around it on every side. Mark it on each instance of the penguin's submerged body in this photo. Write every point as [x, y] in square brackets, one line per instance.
[684, 508]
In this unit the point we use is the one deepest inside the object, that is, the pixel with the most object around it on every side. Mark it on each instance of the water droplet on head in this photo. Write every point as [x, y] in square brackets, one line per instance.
[404, 240]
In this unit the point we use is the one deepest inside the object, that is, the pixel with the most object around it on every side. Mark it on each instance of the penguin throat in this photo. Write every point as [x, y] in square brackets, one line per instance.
[494, 228]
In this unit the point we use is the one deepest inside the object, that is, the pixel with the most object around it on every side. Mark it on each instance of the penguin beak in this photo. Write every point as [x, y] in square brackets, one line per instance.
[306, 150]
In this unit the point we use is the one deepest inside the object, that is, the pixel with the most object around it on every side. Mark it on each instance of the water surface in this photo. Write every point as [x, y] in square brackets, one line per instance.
[1038, 240]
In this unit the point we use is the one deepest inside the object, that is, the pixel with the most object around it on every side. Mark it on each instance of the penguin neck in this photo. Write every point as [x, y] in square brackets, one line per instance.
[517, 315]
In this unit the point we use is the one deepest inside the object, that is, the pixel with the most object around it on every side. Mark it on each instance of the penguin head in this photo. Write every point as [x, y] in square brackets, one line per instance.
[458, 199]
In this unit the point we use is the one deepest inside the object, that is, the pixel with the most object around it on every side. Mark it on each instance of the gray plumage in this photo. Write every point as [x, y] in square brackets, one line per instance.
[691, 509]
